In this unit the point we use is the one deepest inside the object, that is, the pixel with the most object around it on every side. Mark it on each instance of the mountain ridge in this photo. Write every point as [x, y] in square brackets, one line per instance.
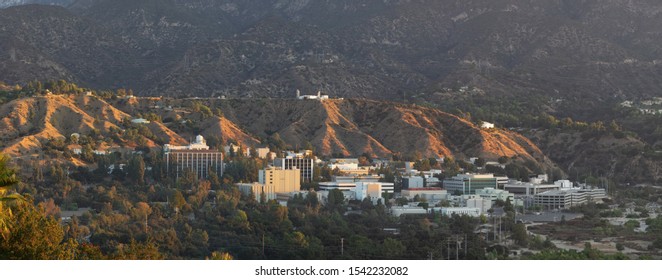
[332, 127]
[593, 51]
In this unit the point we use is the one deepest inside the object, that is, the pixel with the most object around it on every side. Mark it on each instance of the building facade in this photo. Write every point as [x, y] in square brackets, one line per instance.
[196, 157]
[429, 194]
[480, 203]
[493, 195]
[414, 182]
[273, 184]
[349, 183]
[521, 188]
[257, 190]
[304, 165]
[461, 211]
[469, 183]
[283, 180]
[560, 199]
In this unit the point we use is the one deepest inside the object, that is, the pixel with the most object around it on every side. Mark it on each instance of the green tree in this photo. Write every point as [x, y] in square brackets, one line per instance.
[393, 249]
[220, 256]
[34, 236]
[451, 167]
[336, 200]
[520, 235]
[138, 251]
[177, 201]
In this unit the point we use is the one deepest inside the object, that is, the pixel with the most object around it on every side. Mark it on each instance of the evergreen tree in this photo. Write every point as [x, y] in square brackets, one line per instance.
[136, 170]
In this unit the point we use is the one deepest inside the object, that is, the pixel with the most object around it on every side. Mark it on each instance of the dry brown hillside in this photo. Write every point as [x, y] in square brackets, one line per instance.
[25, 124]
[225, 129]
[332, 127]
[354, 127]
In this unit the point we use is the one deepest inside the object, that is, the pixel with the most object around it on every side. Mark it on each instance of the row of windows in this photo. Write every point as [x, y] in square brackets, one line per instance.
[200, 163]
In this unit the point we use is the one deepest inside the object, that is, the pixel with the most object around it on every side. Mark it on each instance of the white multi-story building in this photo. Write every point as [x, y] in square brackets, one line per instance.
[480, 203]
[429, 194]
[348, 166]
[196, 157]
[468, 211]
[413, 182]
[398, 211]
[493, 195]
[360, 187]
[561, 199]
[533, 188]
[349, 183]
[521, 188]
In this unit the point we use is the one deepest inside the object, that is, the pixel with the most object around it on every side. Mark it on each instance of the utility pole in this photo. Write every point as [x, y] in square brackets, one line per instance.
[441, 253]
[448, 249]
[457, 248]
[342, 246]
[465, 246]
[494, 231]
[500, 236]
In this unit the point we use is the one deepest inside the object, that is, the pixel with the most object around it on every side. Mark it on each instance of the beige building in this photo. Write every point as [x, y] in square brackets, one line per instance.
[257, 189]
[299, 162]
[371, 190]
[273, 182]
[283, 180]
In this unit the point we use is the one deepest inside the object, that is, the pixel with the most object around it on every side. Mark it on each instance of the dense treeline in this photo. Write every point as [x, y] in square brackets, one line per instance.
[203, 219]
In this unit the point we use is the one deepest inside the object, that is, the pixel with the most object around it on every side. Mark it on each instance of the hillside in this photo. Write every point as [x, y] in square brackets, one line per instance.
[27, 124]
[354, 127]
[347, 127]
[622, 158]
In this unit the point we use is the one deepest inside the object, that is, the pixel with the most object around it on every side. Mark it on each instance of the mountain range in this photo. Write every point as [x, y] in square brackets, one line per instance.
[577, 51]
[514, 57]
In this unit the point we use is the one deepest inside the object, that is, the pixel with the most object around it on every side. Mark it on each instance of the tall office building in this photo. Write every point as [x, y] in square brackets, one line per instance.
[305, 165]
[197, 157]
